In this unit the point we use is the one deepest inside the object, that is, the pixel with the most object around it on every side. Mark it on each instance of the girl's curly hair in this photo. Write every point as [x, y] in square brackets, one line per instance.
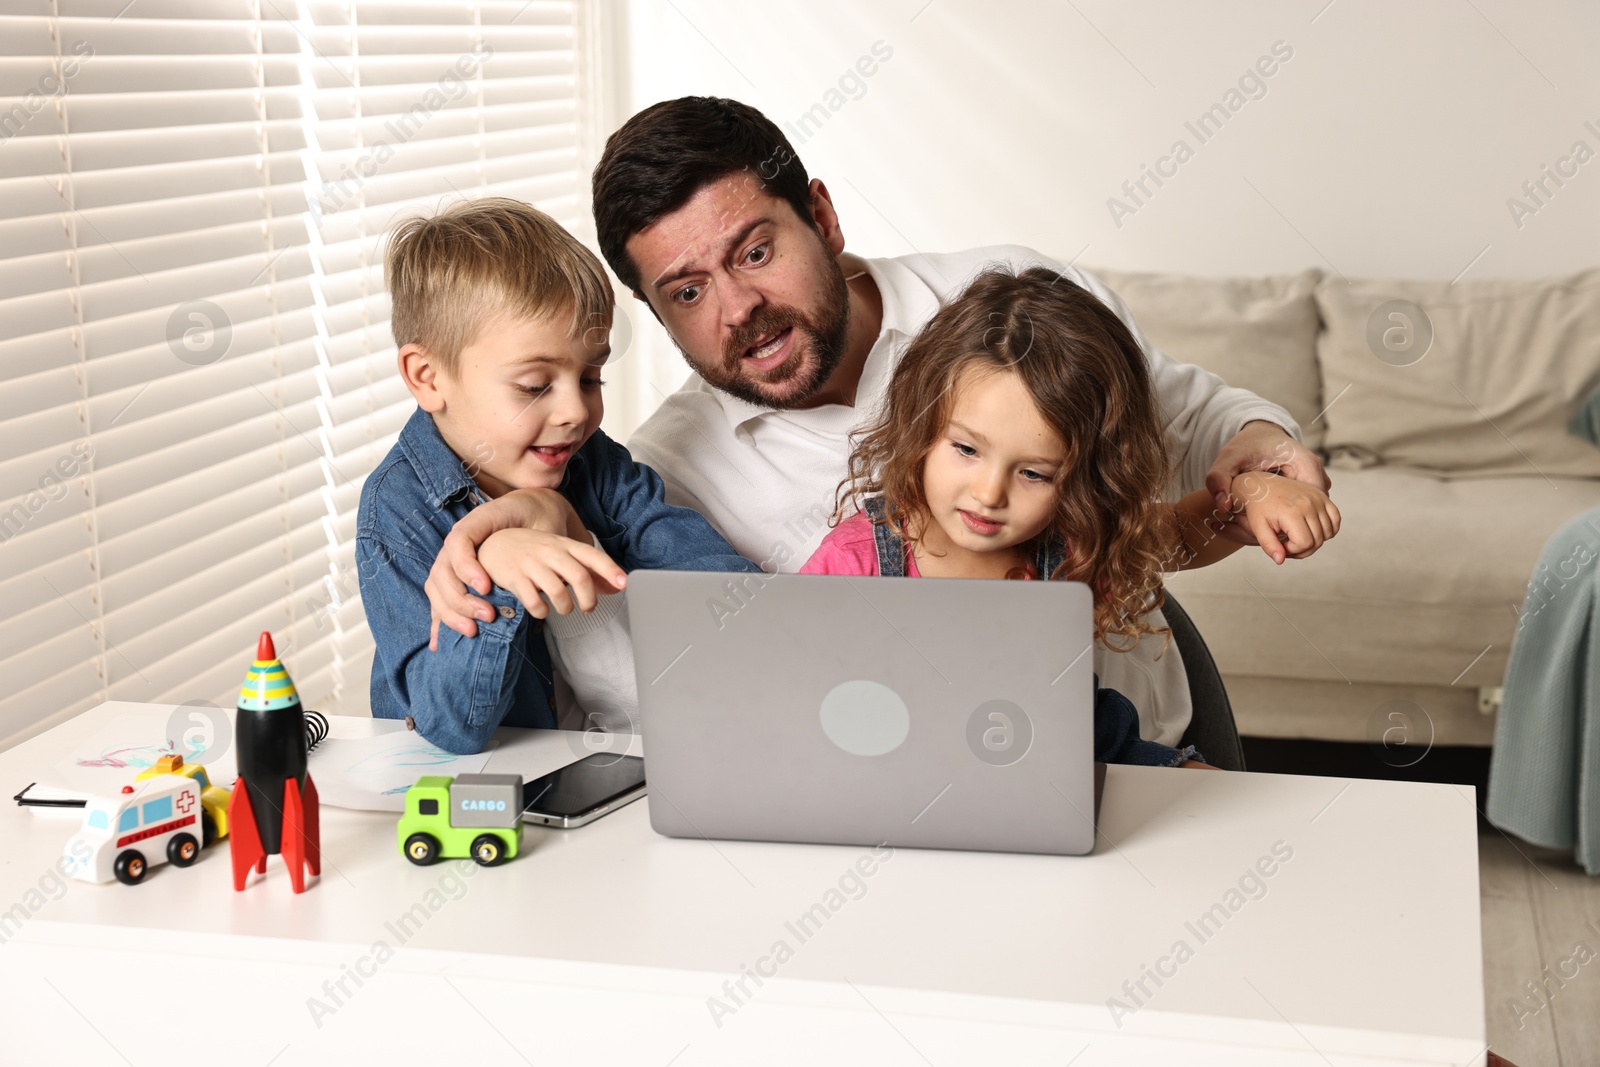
[1088, 377]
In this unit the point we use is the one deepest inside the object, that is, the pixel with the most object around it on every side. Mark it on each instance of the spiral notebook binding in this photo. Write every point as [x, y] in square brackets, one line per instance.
[316, 728]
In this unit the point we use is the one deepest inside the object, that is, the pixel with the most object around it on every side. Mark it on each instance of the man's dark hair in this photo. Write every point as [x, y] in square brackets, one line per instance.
[668, 152]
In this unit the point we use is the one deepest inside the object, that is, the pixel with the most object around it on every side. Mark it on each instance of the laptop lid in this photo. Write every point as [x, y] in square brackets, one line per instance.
[841, 710]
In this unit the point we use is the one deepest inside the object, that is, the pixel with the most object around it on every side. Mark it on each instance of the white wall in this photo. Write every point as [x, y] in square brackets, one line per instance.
[1388, 145]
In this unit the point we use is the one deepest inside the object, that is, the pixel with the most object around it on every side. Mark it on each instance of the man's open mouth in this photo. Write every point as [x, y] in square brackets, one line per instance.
[770, 351]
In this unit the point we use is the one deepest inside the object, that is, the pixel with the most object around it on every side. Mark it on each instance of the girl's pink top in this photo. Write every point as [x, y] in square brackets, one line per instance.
[851, 548]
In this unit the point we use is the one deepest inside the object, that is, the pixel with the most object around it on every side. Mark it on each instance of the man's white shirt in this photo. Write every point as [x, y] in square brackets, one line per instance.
[768, 479]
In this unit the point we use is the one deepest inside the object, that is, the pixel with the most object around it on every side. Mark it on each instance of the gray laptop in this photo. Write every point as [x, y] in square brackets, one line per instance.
[833, 710]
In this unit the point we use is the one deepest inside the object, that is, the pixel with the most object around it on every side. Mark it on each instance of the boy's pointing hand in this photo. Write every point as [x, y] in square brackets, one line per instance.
[571, 575]
[457, 572]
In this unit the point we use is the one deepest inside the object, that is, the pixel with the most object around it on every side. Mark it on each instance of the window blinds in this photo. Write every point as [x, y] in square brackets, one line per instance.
[196, 370]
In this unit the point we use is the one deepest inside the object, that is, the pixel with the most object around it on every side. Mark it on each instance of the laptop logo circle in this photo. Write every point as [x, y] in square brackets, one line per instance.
[865, 718]
[999, 733]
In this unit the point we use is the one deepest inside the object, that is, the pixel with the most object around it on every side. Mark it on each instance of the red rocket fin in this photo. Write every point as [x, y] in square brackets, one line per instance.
[313, 826]
[294, 834]
[244, 840]
[301, 840]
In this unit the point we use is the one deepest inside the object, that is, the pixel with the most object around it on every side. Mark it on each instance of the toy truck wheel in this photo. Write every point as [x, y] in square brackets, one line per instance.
[422, 849]
[488, 850]
[130, 867]
[182, 850]
[208, 830]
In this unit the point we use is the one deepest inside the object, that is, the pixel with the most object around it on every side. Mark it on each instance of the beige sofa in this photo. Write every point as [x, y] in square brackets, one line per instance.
[1452, 464]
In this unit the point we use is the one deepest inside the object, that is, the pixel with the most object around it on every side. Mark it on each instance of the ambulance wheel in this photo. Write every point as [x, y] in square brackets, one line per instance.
[422, 849]
[208, 830]
[182, 850]
[488, 850]
[130, 867]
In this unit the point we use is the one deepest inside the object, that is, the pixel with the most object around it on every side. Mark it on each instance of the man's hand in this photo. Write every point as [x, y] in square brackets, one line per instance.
[1285, 517]
[456, 572]
[529, 562]
[1260, 446]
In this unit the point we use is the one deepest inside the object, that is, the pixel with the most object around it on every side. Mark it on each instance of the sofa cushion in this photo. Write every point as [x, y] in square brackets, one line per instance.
[1425, 574]
[1256, 333]
[1508, 366]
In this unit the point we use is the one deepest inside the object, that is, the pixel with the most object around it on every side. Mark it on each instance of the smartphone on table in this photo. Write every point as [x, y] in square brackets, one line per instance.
[581, 792]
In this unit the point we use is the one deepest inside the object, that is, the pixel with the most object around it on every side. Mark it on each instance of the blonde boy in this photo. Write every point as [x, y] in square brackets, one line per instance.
[502, 319]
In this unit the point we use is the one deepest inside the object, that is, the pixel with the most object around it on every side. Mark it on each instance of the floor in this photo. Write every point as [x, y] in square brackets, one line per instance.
[1541, 913]
[1541, 928]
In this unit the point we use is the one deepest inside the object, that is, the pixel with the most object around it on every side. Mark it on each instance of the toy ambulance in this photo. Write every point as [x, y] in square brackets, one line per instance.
[213, 798]
[156, 820]
[477, 815]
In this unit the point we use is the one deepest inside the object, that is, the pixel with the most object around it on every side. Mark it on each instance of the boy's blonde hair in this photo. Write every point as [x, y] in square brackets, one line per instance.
[478, 260]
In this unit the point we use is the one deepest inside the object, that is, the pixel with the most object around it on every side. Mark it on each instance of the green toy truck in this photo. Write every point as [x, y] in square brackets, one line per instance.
[477, 815]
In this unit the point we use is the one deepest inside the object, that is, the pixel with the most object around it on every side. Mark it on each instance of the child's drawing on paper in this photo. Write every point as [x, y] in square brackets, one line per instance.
[375, 772]
[137, 757]
[415, 754]
[418, 757]
[114, 755]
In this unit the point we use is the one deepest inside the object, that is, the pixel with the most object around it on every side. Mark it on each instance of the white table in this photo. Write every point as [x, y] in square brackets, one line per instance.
[607, 944]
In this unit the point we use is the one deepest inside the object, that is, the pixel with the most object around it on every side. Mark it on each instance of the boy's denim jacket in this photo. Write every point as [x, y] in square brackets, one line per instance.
[1116, 720]
[458, 695]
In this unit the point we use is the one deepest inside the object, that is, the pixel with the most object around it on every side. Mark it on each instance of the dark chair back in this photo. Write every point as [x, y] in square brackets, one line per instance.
[1211, 729]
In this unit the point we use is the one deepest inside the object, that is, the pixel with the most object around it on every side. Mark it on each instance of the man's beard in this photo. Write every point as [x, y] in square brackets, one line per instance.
[823, 334]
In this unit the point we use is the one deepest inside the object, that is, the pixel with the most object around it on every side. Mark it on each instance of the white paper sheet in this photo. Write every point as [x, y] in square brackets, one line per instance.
[366, 764]
[373, 773]
[130, 743]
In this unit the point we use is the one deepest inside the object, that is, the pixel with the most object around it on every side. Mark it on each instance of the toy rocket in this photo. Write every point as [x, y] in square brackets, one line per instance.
[274, 804]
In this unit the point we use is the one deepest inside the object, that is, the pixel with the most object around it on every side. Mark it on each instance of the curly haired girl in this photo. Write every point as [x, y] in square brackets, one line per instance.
[1021, 438]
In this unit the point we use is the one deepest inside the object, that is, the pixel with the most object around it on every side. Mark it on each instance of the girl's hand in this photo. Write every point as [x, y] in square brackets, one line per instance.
[1259, 445]
[456, 572]
[1290, 519]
